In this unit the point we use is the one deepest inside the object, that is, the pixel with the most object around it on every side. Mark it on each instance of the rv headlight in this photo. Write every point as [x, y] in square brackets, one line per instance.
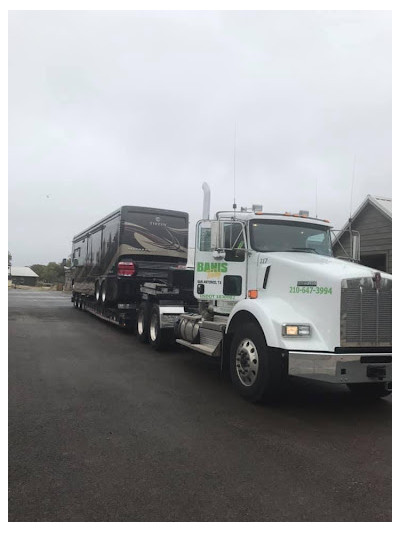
[296, 330]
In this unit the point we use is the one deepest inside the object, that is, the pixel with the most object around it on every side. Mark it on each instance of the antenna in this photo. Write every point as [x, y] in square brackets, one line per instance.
[351, 206]
[352, 185]
[316, 198]
[234, 173]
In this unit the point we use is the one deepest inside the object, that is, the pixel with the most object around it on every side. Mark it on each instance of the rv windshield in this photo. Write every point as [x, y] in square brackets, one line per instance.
[289, 236]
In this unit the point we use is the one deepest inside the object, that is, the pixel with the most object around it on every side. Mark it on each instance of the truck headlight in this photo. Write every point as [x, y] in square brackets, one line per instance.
[296, 330]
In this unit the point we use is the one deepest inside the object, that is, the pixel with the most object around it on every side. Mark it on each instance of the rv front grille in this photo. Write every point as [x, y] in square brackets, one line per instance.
[366, 313]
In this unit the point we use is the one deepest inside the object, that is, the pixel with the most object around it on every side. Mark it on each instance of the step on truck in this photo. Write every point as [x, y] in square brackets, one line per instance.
[265, 295]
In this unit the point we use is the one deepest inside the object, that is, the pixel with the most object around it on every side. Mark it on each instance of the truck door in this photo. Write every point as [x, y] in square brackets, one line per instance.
[220, 261]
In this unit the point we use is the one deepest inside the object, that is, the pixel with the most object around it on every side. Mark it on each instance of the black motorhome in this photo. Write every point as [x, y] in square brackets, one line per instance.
[112, 258]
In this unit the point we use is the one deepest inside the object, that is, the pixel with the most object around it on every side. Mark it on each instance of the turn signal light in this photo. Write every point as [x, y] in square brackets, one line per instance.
[296, 330]
[126, 268]
[253, 294]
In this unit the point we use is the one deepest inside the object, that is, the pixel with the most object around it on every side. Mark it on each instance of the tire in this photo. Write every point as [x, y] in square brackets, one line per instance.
[142, 323]
[107, 293]
[257, 372]
[103, 293]
[97, 292]
[158, 338]
[372, 391]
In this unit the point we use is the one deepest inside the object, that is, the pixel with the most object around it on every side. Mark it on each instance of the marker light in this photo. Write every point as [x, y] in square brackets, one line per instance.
[253, 294]
[296, 330]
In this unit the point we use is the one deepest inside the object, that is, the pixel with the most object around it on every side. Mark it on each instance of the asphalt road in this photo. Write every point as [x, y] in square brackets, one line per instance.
[101, 428]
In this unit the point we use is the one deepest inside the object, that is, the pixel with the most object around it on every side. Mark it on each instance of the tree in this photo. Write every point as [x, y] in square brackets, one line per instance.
[50, 273]
[39, 270]
[9, 258]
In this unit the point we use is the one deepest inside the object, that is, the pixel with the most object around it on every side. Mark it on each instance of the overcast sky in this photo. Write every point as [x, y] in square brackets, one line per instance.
[139, 108]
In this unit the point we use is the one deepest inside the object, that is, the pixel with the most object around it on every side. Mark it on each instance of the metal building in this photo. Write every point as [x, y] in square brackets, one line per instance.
[373, 220]
[22, 276]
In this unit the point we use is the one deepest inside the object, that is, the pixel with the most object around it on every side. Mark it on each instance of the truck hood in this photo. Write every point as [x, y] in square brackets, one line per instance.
[328, 267]
[303, 288]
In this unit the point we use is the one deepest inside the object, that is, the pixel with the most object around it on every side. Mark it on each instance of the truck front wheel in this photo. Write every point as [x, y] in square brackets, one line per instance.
[370, 390]
[257, 372]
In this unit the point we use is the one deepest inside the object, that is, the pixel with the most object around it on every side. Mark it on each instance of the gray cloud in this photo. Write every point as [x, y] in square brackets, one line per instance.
[116, 108]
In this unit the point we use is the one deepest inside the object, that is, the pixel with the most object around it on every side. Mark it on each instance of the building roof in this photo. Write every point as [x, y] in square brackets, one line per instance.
[383, 205]
[25, 272]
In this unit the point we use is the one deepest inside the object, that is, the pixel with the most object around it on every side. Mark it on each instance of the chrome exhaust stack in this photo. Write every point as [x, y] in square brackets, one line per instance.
[206, 201]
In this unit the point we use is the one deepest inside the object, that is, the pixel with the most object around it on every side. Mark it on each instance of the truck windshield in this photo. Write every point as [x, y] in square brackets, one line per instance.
[290, 236]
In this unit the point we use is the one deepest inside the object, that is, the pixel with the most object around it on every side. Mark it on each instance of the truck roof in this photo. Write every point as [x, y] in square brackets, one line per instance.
[251, 215]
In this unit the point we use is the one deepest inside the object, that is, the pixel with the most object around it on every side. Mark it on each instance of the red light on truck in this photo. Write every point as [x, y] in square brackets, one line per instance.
[126, 268]
[253, 294]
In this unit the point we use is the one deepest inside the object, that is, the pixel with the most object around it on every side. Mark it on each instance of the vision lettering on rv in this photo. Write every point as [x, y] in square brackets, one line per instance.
[212, 267]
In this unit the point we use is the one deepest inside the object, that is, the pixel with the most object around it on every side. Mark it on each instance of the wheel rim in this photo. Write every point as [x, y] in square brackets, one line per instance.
[140, 323]
[154, 327]
[247, 362]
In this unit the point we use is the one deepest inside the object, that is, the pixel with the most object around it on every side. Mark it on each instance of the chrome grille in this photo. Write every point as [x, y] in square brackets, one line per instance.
[366, 313]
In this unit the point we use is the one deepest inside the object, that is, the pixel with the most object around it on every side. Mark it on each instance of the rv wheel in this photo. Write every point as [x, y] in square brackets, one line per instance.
[142, 323]
[158, 337]
[256, 370]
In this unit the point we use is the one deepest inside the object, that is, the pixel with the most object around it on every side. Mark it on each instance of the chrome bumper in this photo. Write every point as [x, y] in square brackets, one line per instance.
[341, 368]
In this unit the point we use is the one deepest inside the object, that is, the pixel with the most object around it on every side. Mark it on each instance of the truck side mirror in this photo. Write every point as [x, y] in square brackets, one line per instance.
[215, 235]
[355, 246]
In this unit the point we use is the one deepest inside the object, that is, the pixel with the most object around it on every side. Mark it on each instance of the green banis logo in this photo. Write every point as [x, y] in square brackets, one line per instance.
[212, 267]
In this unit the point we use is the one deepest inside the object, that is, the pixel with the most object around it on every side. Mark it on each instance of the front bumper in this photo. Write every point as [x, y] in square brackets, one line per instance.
[341, 368]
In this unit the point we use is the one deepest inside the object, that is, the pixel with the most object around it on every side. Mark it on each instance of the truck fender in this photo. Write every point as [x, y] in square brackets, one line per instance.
[251, 310]
[247, 311]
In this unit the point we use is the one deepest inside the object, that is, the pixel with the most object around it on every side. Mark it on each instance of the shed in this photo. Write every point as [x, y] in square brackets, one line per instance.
[373, 220]
[23, 276]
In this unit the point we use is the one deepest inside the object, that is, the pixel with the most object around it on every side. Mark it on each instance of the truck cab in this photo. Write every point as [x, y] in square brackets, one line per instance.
[275, 302]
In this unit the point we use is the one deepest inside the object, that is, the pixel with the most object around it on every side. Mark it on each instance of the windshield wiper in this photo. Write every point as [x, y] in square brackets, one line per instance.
[312, 250]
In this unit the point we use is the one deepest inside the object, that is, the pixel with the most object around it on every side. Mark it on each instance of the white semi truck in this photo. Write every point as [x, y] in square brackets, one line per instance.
[273, 302]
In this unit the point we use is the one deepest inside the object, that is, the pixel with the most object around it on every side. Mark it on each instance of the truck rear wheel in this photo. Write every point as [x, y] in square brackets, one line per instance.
[257, 371]
[158, 337]
[370, 390]
[142, 323]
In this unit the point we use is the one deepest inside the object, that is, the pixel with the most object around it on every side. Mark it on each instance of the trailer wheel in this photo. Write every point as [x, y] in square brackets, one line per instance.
[158, 337]
[142, 323]
[257, 371]
[370, 390]
[97, 292]
[103, 293]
